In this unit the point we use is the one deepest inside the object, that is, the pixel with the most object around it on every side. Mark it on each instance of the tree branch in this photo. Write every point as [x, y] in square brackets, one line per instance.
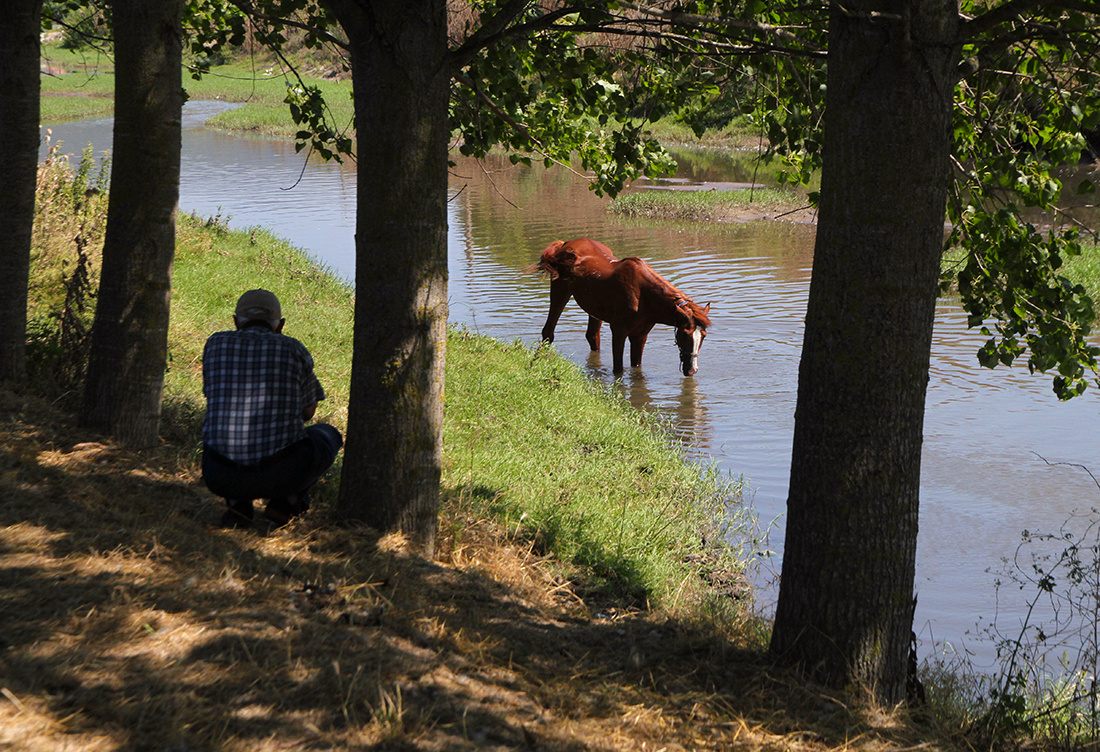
[488, 31]
[250, 10]
[1014, 10]
[517, 126]
[496, 29]
[702, 22]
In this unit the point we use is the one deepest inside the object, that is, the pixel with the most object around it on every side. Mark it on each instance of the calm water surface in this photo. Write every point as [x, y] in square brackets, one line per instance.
[986, 432]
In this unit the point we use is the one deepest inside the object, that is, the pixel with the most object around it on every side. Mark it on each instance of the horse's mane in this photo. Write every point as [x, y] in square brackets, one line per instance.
[701, 317]
[669, 291]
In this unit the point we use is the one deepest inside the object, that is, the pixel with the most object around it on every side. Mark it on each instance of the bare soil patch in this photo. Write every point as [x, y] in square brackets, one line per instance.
[801, 215]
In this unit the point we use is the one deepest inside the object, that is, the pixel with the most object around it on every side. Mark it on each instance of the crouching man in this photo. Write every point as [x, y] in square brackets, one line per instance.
[260, 390]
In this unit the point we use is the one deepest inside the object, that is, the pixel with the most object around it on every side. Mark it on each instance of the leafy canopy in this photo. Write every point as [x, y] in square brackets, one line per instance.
[547, 82]
[1030, 95]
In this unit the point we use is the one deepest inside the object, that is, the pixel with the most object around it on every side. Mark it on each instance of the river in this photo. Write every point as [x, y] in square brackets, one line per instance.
[990, 436]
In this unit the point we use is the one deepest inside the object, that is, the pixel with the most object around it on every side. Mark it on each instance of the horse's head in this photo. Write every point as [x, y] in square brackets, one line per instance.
[690, 334]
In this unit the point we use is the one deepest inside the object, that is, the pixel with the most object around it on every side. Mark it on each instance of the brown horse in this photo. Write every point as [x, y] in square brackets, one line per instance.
[627, 294]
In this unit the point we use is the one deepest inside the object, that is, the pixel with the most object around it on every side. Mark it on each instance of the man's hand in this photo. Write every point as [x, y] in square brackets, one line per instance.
[308, 411]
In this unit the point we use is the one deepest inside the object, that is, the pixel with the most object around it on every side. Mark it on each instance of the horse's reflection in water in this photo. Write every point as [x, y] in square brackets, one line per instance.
[692, 425]
[687, 409]
[627, 294]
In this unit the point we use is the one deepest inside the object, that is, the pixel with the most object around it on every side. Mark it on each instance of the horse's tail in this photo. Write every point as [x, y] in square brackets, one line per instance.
[550, 262]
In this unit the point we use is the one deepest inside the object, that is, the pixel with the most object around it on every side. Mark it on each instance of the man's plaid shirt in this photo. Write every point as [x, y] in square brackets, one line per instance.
[257, 383]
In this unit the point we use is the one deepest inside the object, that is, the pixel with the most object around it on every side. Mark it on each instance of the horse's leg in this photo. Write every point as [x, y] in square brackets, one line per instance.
[618, 343]
[592, 333]
[559, 296]
[637, 344]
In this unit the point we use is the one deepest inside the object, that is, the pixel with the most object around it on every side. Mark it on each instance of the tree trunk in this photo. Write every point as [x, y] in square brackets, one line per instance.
[20, 25]
[122, 393]
[846, 596]
[393, 455]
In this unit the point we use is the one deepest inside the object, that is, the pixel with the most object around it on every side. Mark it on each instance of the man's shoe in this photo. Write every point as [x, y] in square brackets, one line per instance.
[238, 515]
[283, 510]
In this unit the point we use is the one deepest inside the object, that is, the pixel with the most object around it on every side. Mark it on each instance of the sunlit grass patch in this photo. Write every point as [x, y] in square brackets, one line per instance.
[60, 109]
[263, 87]
[272, 119]
[703, 205]
[1085, 269]
[88, 61]
[83, 86]
[578, 471]
[76, 84]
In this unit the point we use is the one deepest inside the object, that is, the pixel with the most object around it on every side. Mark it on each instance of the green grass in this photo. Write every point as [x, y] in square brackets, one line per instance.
[86, 89]
[703, 205]
[263, 87]
[64, 109]
[1085, 269]
[738, 132]
[533, 439]
[80, 84]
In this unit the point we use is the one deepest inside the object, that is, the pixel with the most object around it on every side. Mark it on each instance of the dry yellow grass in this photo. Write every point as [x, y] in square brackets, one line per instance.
[128, 623]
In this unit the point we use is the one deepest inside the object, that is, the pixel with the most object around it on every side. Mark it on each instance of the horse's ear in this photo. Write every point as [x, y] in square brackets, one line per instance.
[705, 318]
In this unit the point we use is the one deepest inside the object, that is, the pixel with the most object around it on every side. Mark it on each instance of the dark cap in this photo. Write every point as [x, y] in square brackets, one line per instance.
[259, 305]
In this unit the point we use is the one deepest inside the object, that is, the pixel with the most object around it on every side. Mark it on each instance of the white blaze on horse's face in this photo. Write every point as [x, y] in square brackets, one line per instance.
[690, 343]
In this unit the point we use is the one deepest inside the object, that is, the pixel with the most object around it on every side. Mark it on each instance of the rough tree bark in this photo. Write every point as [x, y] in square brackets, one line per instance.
[845, 601]
[393, 455]
[125, 381]
[20, 26]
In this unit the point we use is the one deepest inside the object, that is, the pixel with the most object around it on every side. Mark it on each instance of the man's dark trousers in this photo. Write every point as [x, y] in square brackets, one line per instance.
[288, 473]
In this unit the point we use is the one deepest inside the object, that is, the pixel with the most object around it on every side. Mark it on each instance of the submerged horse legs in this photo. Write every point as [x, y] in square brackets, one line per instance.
[618, 345]
[637, 344]
[618, 342]
[592, 333]
[559, 296]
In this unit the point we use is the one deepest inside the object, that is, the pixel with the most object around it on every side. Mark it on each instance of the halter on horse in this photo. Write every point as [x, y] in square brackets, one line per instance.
[628, 294]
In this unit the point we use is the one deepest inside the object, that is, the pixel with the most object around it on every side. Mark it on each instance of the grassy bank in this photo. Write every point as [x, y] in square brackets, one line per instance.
[711, 206]
[529, 440]
[81, 82]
